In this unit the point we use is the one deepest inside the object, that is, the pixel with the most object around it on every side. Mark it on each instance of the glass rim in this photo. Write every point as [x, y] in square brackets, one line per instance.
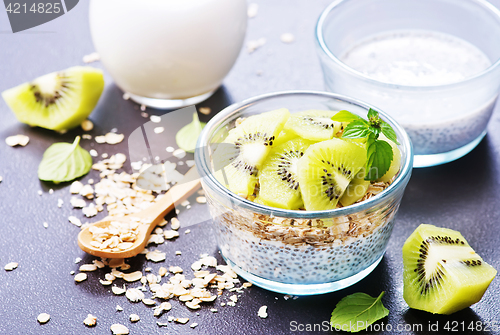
[201, 159]
[324, 48]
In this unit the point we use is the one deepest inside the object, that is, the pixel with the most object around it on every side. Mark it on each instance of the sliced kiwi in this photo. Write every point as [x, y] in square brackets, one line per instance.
[284, 136]
[396, 161]
[245, 148]
[442, 273]
[325, 171]
[279, 184]
[314, 125]
[356, 189]
[59, 100]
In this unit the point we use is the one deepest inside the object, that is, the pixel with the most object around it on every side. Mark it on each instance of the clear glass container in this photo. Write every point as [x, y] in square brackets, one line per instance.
[295, 251]
[446, 121]
[168, 54]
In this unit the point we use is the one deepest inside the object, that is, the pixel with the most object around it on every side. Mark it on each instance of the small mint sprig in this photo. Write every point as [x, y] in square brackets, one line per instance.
[379, 152]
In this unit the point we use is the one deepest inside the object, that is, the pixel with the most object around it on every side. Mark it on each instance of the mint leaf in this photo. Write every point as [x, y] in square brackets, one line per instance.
[64, 162]
[389, 132]
[372, 114]
[345, 116]
[357, 311]
[380, 155]
[187, 136]
[356, 129]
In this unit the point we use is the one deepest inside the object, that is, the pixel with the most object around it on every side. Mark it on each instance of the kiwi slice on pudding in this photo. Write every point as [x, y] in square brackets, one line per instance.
[442, 273]
[284, 136]
[279, 184]
[325, 171]
[314, 125]
[356, 189]
[245, 148]
[396, 161]
[59, 100]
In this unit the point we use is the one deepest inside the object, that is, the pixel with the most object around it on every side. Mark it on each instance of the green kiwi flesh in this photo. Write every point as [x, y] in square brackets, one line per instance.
[314, 125]
[59, 100]
[279, 184]
[325, 171]
[249, 144]
[442, 273]
[396, 161]
[356, 189]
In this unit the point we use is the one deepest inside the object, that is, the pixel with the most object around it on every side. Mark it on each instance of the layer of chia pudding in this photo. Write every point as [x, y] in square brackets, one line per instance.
[299, 251]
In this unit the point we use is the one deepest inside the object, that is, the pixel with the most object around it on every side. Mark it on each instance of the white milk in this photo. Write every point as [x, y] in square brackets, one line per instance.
[168, 49]
[436, 122]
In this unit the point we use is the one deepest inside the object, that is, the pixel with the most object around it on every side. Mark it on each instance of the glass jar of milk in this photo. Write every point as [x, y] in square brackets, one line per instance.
[434, 65]
[168, 53]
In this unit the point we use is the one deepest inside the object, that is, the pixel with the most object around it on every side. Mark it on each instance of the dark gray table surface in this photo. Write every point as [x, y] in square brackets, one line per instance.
[462, 195]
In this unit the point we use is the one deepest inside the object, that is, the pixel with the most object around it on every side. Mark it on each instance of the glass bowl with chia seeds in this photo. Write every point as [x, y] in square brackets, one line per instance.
[303, 188]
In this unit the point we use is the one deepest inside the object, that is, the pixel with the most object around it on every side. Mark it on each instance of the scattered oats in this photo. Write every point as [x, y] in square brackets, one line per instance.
[175, 269]
[134, 318]
[134, 295]
[87, 191]
[14, 140]
[60, 202]
[93, 153]
[136, 165]
[190, 163]
[104, 155]
[162, 271]
[80, 277]
[90, 58]
[201, 200]
[178, 253]
[209, 261]
[77, 203]
[118, 290]
[205, 110]
[231, 303]
[88, 267]
[247, 285]
[193, 325]
[149, 302]
[75, 187]
[87, 125]
[87, 136]
[133, 276]
[187, 231]
[74, 220]
[143, 108]
[159, 130]
[287, 38]
[155, 118]
[99, 265]
[185, 203]
[170, 149]
[78, 260]
[119, 329]
[253, 9]
[112, 138]
[179, 153]
[11, 266]
[45, 225]
[144, 115]
[213, 310]
[181, 320]
[89, 211]
[100, 139]
[118, 308]
[120, 158]
[180, 163]
[262, 313]
[164, 306]
[196, 266]
[51, 191]
[287, 296]
[155, 238]
[223, 304]
[43, 318]
[155, 256]
[177, 211]
[40, 192]
[194, 304]
[170, 234]
[254, 45]
[175, 224]
[90, 320]
[105, 282]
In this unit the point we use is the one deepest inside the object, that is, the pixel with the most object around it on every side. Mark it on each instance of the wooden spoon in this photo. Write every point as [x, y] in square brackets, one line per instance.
[148, 219]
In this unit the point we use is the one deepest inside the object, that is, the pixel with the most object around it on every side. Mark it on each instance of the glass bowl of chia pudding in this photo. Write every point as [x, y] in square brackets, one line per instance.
[434, 65]
[300, 252]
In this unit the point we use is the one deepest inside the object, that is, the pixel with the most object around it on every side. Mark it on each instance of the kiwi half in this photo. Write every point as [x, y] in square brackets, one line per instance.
[279, 183]
[442, 273]
[245, 149]
[325, 171]
[314, 125]
[59, 100]
[396, 161]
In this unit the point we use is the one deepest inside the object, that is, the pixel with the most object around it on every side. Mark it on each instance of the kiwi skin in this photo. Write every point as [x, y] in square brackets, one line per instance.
[442, 273]
[81, 90]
